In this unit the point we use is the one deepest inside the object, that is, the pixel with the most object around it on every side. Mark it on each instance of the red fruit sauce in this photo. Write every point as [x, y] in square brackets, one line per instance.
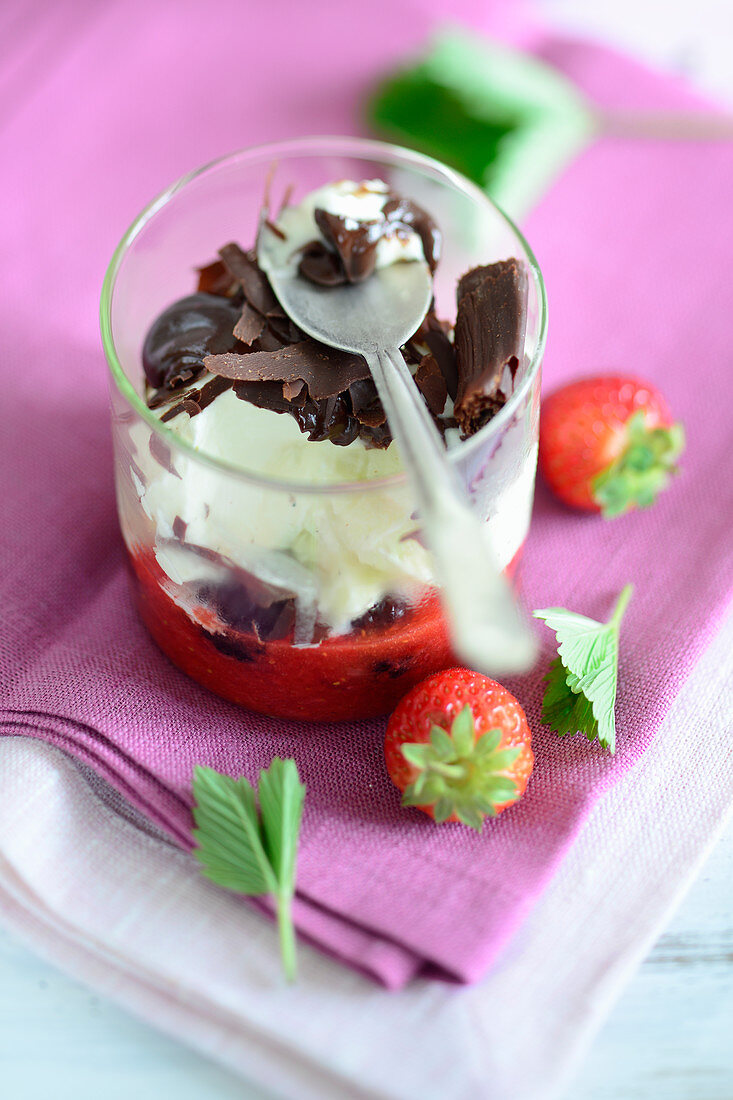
[358, 675]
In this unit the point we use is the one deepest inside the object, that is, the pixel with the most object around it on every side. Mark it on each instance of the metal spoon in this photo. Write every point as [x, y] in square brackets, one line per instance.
[374, 319]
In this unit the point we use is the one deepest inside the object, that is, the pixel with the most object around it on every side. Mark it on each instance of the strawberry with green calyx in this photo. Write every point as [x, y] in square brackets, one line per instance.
[459, 747]
[608, 444]
[581, 692]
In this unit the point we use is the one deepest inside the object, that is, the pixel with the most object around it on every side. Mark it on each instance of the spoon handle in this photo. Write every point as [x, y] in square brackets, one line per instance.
[487, 629]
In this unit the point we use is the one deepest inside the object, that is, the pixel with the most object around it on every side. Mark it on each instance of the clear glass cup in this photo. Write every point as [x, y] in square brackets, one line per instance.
[292, 594]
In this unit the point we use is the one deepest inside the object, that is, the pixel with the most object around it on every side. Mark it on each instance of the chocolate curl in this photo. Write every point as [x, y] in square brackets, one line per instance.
[489, 338]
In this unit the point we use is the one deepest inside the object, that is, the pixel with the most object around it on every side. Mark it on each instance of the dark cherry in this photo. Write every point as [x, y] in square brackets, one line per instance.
[186, 332]
[389, 610]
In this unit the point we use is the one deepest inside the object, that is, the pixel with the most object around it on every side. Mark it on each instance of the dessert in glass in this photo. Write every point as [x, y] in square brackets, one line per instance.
[274, 545]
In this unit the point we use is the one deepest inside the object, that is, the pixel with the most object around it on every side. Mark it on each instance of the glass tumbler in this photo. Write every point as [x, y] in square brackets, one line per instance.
[289, 591]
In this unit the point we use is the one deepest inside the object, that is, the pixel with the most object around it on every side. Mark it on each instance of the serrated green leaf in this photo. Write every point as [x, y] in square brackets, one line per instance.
[463, 733]
[248, 851]
[581, 696]
[281, 797]
[563, 710]
[228, 836]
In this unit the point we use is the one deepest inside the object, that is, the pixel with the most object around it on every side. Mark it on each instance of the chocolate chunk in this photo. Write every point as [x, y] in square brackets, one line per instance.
[365, 403]
[196, 400]
[211, 390]
[179, 528]
[355, 242]
[376, 438]
[183, 334]
[401, 211]
[216, 279]
[253, 281]
[162, 455]
[268, 340]
[431, 383]
[265, 395]
[293, 390]
[286, 331]
[249, 326]
[321, 266]
[326, 371]
[489, 338]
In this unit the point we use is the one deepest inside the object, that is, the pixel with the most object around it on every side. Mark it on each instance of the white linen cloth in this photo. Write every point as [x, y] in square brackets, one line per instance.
[93, 889]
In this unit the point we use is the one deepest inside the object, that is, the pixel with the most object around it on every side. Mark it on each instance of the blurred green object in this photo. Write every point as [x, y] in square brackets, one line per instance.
[499, 116]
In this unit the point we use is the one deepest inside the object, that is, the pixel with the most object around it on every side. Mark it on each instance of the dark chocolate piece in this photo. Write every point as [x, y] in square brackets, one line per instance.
[431, 383]
[249, 326]
[162, 455]
[489, 338]
[401, 211]
[179, 528]
[183, 334]
[365, 403]
[433, 334]
[321, 266]
[355, 242]
[275, 229]
[326, 371]
[253, 281]
[216, 278]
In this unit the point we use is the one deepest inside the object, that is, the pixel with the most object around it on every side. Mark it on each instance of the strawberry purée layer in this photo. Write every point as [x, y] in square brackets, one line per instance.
[357, 675]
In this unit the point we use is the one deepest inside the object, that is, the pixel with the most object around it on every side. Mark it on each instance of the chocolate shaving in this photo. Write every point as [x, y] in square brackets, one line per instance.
[249, 326]
[275, 229]
[431, 383]
[253, 281]
[355, 242]
[162, 455]
[489, 338]
[215, 278]
[320, 265]
[294, 390]
[401, 211]
[211, 390]
[179, 528]
[326, 371]
[365, 403]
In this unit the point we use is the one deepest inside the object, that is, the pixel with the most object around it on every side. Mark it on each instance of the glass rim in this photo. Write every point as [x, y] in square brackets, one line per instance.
[312, 145]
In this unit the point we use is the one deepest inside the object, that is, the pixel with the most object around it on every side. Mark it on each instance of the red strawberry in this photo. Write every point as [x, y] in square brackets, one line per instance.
[459, 747]
[608, 444]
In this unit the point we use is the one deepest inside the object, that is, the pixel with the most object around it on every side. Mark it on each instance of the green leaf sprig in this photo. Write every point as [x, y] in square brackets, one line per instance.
[581, 692]
[249, 851]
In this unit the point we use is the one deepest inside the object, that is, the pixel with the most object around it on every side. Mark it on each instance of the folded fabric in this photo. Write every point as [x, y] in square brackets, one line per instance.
[634, 241]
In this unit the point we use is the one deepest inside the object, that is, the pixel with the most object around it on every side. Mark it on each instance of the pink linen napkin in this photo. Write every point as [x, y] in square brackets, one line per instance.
[635, 243]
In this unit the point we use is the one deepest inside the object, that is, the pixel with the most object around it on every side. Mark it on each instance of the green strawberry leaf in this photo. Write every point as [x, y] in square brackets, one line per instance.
[643, 469]
[582, 680]
[248, 851]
